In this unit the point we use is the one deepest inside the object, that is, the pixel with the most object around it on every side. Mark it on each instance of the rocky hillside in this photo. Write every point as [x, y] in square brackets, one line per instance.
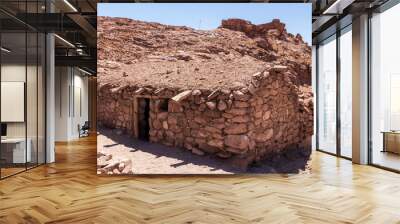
[240, 91]
[146, 53]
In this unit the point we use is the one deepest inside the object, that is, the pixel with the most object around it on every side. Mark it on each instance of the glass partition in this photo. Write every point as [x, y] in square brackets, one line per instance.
[385, 89]
[22, 78]
[346, 92]
[13, 95]
[327, 95]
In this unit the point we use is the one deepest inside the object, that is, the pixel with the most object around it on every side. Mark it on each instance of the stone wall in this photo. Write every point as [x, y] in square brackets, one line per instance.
[272, 114]
[114, 109]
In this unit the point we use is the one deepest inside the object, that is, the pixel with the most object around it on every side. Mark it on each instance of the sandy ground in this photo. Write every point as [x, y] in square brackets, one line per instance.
[152, 158]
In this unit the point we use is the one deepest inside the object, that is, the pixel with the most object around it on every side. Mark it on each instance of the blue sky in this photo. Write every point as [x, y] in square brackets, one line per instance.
[296, 16]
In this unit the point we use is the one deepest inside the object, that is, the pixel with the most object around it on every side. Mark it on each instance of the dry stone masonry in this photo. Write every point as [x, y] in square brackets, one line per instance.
[106, 164]
[242, 112]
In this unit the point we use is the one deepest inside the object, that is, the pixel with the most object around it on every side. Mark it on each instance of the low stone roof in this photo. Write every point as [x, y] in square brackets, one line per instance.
[143, 54]
[186, 75]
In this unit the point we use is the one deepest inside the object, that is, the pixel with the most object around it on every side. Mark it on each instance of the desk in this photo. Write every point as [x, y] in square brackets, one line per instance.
[391, 141]
[17, 152]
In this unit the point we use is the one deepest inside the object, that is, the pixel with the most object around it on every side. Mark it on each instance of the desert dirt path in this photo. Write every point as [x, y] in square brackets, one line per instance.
[153, 158]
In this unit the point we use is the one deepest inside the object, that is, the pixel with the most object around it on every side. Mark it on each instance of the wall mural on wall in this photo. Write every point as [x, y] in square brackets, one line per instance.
[181, 98]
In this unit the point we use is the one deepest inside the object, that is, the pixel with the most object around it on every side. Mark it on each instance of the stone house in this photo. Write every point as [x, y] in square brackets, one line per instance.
[241, 92]
[269, 115]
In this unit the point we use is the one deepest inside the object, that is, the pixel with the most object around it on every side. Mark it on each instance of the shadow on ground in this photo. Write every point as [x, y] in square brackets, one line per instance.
[277, 164]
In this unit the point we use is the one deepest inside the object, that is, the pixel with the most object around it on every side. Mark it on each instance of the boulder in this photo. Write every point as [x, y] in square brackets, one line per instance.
[224, 154]
[264, 136]
[182, 96]
[162, 115]
[103, 161]
[266, 115]
[240, 104]
[197, 152]
[196, 92]
[157, 124]
[212, 129]
[165, 125]
[239, 95]
[280, 68]
[127, 168]
[211, 105]
[235, 150]
[216, 143]
[208, 148]
[172, 120]
[237, 141]
[237, 111]
[252, 89]
[222, 105]
[240, 119]
[200, 119]
[236, 129]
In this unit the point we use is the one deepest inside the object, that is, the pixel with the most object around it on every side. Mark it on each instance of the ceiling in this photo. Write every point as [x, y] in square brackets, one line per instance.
[75, 21]
[330, 15]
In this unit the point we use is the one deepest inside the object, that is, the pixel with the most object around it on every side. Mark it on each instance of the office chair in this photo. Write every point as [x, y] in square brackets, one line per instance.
[84, 130]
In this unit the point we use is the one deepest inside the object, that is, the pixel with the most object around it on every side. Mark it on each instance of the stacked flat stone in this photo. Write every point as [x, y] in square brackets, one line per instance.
[273, 113]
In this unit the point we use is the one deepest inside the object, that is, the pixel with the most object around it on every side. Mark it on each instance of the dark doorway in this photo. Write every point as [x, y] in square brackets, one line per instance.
[143, 118]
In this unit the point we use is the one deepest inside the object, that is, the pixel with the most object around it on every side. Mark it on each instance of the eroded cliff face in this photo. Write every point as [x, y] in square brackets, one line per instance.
[142, 53]
[286, 48]
[244, 90]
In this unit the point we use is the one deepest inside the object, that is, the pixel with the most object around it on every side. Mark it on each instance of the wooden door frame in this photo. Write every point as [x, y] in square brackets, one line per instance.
[135, 104]
[135, 125]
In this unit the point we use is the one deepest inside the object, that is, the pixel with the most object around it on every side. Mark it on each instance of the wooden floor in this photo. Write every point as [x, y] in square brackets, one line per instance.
[70, 192]
[386, 159]
[5, 172]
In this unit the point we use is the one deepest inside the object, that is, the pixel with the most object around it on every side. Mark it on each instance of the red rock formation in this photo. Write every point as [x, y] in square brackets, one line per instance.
[251, 30]
[240, 91]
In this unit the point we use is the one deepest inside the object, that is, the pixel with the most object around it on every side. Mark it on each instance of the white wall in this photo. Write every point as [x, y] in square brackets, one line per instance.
[33, 126]
[70, 83]
[12, 73]
[12, 100]
[62, 81]
[81, 82]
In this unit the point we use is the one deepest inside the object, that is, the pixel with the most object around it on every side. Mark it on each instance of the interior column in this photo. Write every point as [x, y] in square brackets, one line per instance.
[50, 92]
[360, 90]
